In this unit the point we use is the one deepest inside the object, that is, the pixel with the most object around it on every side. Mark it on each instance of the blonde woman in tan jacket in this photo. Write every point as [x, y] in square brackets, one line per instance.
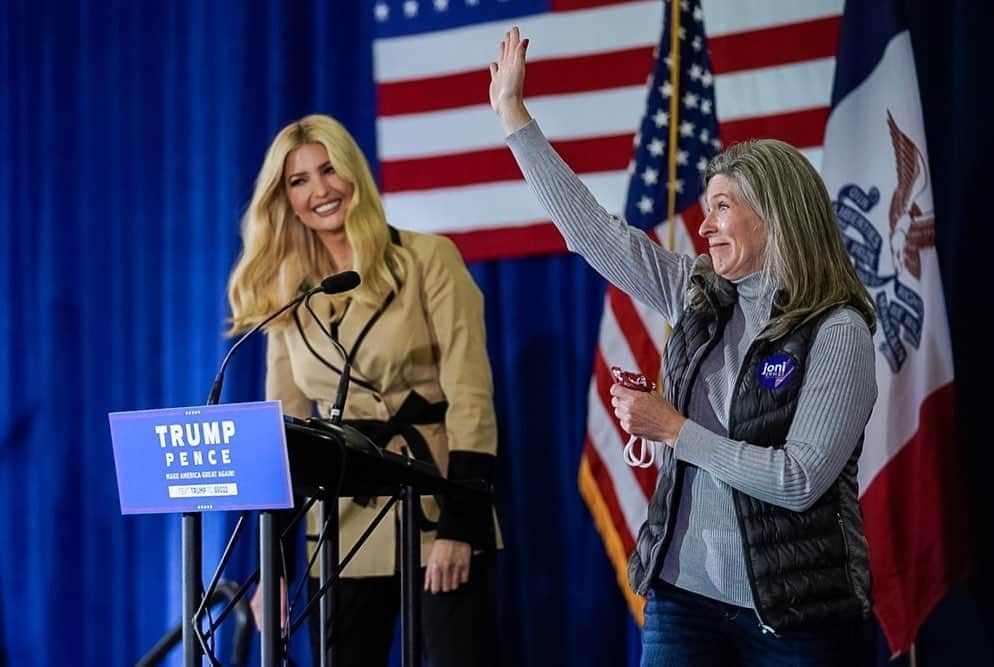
[415, 331]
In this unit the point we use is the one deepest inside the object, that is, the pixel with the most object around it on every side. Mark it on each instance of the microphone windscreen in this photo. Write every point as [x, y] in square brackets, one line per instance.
[340, 282]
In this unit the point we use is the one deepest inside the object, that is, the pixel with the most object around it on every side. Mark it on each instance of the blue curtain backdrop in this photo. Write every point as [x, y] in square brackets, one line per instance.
[130, 133]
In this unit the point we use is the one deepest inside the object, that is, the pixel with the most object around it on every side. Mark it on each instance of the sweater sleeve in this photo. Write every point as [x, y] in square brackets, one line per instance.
[623, 254]
[833, 406]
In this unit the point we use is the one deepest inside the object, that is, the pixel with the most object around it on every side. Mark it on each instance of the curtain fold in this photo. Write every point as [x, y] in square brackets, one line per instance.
[130, 133]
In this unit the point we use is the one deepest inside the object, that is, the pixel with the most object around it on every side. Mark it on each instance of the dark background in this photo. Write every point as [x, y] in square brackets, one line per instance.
[130, 133]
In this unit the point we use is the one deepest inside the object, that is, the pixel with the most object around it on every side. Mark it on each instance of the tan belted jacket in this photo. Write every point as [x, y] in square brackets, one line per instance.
[430, 339]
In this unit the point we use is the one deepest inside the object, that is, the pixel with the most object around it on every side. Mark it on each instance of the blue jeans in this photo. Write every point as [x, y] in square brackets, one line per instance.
[684, 629]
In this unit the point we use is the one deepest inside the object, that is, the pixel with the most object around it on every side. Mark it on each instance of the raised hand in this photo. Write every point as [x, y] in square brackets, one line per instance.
[507, 82]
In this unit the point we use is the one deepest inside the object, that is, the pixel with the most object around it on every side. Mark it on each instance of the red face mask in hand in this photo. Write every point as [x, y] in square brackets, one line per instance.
[638, 382]
[631, 380]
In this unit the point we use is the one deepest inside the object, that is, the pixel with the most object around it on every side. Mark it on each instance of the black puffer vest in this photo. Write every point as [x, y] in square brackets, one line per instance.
[805, 568]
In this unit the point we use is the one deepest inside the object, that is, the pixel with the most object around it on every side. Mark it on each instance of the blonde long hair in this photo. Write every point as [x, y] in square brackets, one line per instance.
[280, 254]
[805, 256]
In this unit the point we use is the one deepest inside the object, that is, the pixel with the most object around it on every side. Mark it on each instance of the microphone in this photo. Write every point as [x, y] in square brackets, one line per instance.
[343, 389]
[336, 284]
[340, 282]
[338, 406]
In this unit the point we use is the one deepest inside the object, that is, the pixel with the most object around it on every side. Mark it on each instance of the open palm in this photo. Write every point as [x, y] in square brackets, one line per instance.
[507, 75]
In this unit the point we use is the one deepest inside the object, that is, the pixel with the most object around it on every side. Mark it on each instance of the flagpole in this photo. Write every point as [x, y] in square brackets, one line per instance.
[674, 111]
[673, 146]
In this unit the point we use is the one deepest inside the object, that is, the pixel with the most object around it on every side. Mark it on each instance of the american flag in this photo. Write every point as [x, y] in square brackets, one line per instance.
[695, 127]
[444, 166]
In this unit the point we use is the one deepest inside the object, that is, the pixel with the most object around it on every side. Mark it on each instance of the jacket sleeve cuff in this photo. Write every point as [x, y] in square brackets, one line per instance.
[469, 518]
[695, 444]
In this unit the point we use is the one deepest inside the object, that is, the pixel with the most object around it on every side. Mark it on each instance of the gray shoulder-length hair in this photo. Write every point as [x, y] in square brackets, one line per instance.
[805, 257]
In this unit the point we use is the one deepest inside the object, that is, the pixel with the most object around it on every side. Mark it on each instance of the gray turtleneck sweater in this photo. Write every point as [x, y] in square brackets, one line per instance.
[705, 555]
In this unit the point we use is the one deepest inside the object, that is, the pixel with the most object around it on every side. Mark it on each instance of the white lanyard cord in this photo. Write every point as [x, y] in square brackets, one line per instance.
[640, 461]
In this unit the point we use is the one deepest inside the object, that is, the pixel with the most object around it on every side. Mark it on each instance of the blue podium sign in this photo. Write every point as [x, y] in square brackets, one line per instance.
[202, 458]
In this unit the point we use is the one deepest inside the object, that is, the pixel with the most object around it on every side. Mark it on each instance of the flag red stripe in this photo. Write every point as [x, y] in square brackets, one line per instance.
[433, 94]
[640, 343]
[802, 129]
[646, 477]
[570, 5]
[608, 153]
[539, 238]
[768, 47]
[917, 525]
[605, 483]
[553, 76]
[780, 45]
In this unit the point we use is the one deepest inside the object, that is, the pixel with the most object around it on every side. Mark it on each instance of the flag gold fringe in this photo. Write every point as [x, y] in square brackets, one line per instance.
[609, 534]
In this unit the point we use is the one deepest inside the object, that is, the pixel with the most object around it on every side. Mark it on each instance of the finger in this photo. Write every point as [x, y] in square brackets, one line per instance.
[450, 578]
[519, 52]
[616, 389]
[511, 48]
[430, 578]
[438, 583]
[256, 615]
[515, 37]
[464, 574]
[501, 50]
[623, 392]
[256, 606]
[493, 71]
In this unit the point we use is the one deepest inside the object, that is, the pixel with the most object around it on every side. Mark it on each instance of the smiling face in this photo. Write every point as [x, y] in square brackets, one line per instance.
[735, 234]
[319, 197]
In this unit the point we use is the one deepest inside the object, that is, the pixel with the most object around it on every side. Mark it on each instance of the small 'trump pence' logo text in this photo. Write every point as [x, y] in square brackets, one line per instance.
[775, 371]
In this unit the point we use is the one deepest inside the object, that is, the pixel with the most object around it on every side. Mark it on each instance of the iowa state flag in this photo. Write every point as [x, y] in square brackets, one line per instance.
[877, 173]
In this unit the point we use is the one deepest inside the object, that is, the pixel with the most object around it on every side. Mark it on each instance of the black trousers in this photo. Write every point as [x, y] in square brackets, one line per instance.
[458, 628]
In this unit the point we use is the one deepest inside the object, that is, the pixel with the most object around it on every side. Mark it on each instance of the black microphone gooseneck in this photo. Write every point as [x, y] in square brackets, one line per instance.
[341, 282]
[338, 406]
[343, 389]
